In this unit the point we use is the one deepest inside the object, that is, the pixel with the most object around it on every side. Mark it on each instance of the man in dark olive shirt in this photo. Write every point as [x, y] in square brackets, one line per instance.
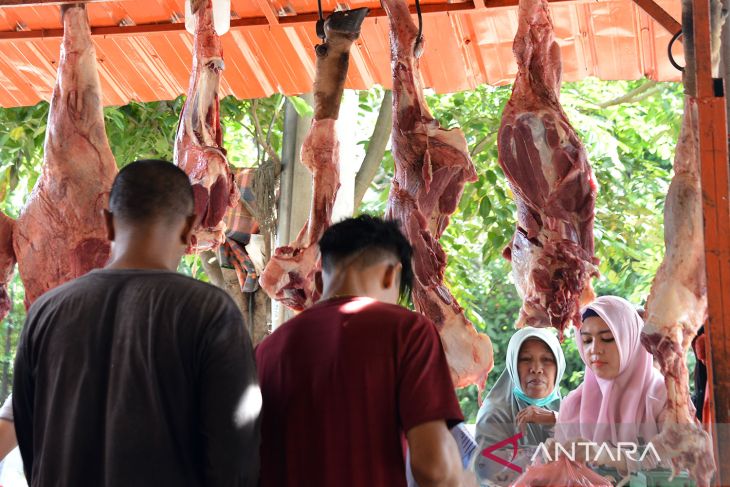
[135, 375]
[348, 382]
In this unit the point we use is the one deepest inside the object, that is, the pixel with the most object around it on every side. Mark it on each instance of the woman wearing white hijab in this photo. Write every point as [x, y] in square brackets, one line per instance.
[527, 394]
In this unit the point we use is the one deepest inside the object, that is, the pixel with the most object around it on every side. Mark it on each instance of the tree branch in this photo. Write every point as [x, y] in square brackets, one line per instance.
[212, 268]
[259, 134]
[376, 148]
[484, 142]
[630, 97]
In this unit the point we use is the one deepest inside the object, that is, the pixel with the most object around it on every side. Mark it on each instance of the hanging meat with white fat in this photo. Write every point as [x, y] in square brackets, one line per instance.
[677, 304]
[553, 185]
[431, 167]
[199, 142]
[289, 275]
[60, 234]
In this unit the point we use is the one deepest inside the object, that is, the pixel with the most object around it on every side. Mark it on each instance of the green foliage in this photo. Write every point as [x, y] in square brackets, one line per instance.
[630, 147]
[303, 108]
[135, 131]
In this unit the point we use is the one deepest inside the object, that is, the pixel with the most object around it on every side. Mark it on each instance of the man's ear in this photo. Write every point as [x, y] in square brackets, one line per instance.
[318, 282]
[390, 277]
[109, 224]
[187, 230]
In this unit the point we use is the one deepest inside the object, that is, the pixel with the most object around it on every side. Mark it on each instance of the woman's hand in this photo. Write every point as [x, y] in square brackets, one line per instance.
[536, 415]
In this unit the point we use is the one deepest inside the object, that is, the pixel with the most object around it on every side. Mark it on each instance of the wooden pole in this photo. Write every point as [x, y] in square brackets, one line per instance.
[713, 147]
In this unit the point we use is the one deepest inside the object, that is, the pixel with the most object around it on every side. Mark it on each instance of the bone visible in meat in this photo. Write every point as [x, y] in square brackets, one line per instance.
[554, 188]
[677, 304]
[431, 167]
[60, 234]
[198, 145]
[289, 275]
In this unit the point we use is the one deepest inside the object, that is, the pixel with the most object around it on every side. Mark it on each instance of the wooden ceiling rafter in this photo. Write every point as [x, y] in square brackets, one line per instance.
[271, 15]
[270, 18]
[661, 16]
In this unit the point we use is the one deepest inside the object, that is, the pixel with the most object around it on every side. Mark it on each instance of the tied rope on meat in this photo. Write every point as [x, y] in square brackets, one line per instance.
[677, 304]
[60, 234]
[199, 142]
[431, 167]
[289, 275]
[554, 188]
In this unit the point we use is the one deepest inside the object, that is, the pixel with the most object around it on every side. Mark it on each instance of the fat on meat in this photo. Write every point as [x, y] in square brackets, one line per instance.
[677, 304]
[554, 188]
[60, 233]
[431, 167]
[289, 274]
[199, 141]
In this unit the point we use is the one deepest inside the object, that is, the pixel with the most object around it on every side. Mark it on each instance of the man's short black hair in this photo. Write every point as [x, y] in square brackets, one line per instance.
[151, 190]
[368, 237]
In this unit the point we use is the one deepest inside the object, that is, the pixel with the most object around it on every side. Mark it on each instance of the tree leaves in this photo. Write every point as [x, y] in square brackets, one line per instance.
[630, 148]
[303, 108]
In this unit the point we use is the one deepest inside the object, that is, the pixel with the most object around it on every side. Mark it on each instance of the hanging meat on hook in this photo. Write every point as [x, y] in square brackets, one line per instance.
[199, 142]
[553, 184]
[431, 167]
[289, 275]
[60, 234]
[677, 304]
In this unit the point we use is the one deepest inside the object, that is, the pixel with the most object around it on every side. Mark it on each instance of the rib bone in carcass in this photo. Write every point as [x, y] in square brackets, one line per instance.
[60, 234]
[199, 142]
[431, 167]
[677, 304]
[289, 275]
[553, 185]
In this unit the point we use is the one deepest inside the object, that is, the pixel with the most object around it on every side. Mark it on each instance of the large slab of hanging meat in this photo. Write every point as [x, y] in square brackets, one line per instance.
[199, 142]
[553, 185]
[60, 234]
[289, 275]
[431, 167]
[677, 304]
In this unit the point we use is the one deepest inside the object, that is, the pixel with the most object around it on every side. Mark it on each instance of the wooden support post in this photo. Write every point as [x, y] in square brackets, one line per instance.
[716, 209]
[725, 63]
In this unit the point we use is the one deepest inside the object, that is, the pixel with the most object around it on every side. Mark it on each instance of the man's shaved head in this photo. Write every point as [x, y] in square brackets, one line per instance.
[151, 190]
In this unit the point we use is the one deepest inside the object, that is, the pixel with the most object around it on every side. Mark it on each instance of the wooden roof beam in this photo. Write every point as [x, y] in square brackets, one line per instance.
[303, 18]
[267, 9]
[660, 15]
[36, 3]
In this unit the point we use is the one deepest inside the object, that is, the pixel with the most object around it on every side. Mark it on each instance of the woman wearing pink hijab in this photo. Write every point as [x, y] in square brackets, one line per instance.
[622, 395]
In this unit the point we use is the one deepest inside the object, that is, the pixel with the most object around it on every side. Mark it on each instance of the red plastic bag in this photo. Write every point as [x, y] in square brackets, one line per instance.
[561, 473]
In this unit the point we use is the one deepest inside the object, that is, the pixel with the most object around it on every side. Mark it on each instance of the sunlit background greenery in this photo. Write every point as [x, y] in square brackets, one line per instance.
[630, 145]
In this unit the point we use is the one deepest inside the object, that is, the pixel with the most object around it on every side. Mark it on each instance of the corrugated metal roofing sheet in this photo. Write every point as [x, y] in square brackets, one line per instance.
[607, 39]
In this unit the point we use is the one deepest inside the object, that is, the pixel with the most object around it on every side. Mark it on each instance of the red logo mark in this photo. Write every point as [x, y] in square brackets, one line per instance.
[487, 452]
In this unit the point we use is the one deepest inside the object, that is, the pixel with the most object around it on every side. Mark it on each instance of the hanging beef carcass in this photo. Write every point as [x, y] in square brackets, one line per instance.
[677, 304]
[431, 167]
[554, 188]
[60, 234]
[289, 275]
[7, 262]
[198, 144]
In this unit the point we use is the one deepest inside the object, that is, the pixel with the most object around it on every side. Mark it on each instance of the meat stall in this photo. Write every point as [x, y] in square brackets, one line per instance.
[143, 53]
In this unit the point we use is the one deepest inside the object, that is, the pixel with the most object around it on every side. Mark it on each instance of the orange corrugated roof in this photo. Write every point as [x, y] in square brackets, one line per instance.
[464, 48]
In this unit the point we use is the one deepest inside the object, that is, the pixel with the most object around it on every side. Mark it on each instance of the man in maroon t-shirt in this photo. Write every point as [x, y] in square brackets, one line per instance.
[349, 381]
